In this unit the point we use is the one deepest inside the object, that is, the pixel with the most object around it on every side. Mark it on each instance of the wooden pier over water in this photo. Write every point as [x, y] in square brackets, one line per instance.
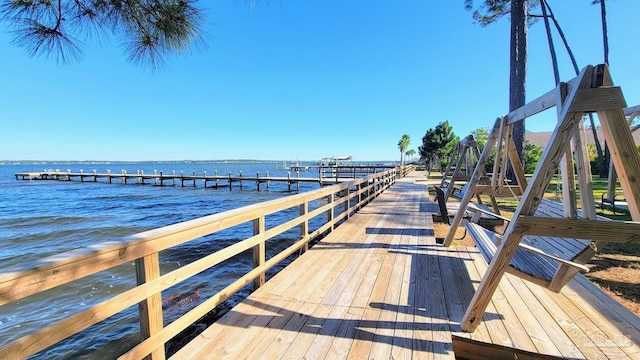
[327, 175]
[377, 286]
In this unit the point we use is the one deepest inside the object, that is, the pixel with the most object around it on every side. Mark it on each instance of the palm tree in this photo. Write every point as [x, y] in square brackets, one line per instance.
[403, 144]
[410, 153]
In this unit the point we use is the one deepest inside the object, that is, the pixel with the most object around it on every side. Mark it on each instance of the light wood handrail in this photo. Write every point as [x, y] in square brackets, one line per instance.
[20, 281]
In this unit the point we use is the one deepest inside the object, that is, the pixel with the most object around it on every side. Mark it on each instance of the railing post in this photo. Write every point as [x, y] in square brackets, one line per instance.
[304, 226]
[148, 268]
[259, 251]
[332, 211]
[347, 204]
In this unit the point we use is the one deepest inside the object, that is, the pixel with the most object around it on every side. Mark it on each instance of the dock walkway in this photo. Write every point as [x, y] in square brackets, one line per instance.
[380, 287]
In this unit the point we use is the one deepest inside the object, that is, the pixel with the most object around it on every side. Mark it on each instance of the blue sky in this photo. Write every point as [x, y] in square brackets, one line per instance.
[301, 79]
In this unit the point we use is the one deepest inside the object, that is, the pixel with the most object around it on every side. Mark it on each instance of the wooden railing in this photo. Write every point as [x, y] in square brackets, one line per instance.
[342, 200]
[333, 174]
[406, 170]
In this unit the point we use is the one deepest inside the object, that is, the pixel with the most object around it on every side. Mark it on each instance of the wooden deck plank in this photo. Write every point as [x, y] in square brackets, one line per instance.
[403, 330]
[380, 287]
[598, 327]
[493, 317]
[512, 308]
[441, 331]
[549, 337]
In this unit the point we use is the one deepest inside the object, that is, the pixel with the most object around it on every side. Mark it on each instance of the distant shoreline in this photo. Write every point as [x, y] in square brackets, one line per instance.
[44, 162]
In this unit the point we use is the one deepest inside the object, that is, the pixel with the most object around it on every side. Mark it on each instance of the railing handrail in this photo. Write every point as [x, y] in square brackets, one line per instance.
[20, 281]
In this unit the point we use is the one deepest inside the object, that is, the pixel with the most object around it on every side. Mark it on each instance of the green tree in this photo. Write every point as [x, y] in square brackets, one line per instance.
[438, 142]
[410, 153]
[532, 155]
[149, 29]
[403, 144]
[481, 135]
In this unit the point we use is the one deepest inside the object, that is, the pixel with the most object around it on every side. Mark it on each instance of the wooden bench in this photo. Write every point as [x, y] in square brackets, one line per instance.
[478, 213]
[538, 258]
[612, 201]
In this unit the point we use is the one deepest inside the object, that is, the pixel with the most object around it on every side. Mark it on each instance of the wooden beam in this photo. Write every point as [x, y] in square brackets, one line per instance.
[496, 161]
[504, 160]
[151, 323]
[630, 110]
[518, 168]
[596, 230]
[624, 154]
[545, 170]
[544, 102]
[599, 99]
[585, 180]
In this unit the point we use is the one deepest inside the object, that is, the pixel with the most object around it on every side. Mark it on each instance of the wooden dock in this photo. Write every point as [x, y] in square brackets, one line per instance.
[380, 287]
[173, 179]
[325, 177]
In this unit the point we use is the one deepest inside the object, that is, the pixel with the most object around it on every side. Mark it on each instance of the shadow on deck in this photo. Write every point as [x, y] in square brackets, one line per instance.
[380, 287]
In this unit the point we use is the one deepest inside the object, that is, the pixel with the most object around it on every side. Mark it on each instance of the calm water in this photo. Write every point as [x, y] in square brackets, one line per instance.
[42, 218]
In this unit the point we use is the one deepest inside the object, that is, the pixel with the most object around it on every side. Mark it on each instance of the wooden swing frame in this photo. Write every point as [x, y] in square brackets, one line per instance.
[591, 91]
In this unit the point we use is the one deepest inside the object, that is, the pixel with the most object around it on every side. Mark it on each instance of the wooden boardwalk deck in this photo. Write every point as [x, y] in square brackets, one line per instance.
[379, 287]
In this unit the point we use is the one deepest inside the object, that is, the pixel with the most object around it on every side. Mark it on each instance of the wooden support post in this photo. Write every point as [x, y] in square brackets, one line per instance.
[259, 251]
[504, 163]
[446, 171]
[624, 155]
[304, 226]
[496, 162]
[556, 147]
[568, 185]
[517, 166]
[331, 212]
[613, 180]
[585, 179]
[456, 171]
[147, 269]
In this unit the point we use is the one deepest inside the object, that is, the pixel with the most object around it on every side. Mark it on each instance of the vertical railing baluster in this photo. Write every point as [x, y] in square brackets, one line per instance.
[147, 269]
[259, 251]
[304, 226]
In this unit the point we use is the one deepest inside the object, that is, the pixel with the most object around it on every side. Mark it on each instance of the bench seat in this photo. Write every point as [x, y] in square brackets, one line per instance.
[524, 262]
[537, 258]
[487, 218]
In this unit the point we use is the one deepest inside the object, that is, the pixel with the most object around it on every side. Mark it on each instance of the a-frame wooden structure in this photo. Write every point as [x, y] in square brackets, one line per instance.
[591, 91]
[461, 164]
[434, 165]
